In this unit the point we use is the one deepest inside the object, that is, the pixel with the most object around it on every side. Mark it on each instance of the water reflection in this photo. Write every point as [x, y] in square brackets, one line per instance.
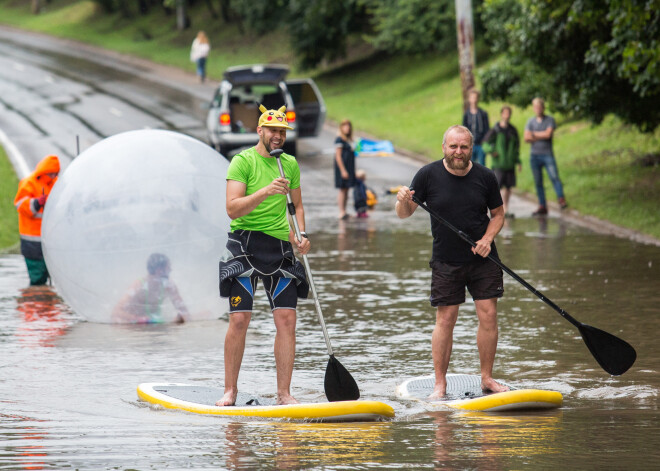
[24, 440]
[512, 435]
[286, 445]
[43, 319]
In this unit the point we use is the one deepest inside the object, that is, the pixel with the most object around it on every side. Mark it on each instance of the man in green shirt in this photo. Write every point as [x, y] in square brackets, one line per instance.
[260, 247]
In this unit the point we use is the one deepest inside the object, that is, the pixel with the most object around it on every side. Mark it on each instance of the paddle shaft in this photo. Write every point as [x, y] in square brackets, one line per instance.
[513, 274]
[292, 211]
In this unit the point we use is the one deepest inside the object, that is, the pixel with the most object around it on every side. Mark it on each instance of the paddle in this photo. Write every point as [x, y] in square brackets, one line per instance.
[339, 384]
[613, 354]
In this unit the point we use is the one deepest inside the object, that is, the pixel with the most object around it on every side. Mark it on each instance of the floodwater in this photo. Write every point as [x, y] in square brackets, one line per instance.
[68, 397]
[68, 387]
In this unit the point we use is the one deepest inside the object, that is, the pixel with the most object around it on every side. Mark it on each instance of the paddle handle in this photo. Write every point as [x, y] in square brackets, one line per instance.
[513, 274]
[310, 279]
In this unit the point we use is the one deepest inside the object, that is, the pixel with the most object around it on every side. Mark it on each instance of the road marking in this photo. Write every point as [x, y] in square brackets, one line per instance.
[115, 112]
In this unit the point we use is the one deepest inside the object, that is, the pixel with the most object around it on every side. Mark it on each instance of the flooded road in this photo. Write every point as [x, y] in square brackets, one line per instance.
[68, 390]
[67, 387]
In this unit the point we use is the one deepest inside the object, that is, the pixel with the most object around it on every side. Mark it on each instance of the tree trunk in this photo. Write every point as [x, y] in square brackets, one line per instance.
[143, 6]
[209, 6]
[225, 10]
[181, 18]
[36, 7]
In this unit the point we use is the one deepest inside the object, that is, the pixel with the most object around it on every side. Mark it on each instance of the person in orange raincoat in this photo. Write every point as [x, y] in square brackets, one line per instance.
[30, 200]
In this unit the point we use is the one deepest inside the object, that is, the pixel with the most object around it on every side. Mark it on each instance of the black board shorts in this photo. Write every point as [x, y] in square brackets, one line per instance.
[483, 279]
[281, 293]
[254, 256]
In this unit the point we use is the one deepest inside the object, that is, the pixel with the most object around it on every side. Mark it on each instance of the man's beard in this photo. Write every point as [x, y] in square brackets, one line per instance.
[458, 165]
[267, 145]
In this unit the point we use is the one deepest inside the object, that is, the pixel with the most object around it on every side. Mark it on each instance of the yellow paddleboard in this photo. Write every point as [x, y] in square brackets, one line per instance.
[464, 392]
[201, 400]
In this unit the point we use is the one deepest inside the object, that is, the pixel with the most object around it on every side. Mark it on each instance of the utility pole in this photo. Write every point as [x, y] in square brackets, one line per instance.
[465, 39]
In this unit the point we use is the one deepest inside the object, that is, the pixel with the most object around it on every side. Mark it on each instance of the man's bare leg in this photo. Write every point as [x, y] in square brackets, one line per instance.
[487, 334]
[234, 348]
[285, 352]
[441, 345]
[506, 195]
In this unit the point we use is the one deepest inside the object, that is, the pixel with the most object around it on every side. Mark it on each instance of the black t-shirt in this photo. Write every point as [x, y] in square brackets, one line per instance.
[463, 202]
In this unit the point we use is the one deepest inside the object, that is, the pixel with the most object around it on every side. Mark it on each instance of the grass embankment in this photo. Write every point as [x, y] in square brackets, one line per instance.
[8, 214]
[408, 100]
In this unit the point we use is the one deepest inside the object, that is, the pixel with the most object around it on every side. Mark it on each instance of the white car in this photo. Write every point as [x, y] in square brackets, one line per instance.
[234, 111]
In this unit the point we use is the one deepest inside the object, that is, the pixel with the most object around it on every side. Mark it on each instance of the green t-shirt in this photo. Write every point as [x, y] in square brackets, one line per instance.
[257, 172]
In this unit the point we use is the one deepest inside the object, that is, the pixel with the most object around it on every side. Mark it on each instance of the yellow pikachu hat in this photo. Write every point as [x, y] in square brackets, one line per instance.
[273, 118]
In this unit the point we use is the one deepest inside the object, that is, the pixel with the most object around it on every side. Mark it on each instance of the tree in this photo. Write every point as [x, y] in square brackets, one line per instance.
[319, 29]
[588, 58]
[260, 16]
[412, 26]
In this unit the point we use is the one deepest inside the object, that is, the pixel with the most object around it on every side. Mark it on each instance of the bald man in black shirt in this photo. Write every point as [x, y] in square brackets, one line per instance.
[463, 192]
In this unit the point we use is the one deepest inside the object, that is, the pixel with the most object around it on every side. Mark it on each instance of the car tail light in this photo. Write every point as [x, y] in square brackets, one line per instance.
[225, 119]
[291, 116]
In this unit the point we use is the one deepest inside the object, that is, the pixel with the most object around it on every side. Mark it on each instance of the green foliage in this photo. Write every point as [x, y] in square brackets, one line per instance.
[412, 26]
[260, 16]
[587, 58]
[634, 48]
[319, 29]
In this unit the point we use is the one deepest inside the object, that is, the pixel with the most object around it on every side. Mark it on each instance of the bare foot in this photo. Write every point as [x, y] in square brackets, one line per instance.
[492, 386]
[286, 399]
[229, 399]
[438, 393]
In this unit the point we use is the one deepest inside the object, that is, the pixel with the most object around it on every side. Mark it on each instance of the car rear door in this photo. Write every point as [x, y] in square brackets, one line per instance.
[257, 73]
[309, 106]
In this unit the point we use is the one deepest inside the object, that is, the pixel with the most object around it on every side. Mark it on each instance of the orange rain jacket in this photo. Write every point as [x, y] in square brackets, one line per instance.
[33, 186]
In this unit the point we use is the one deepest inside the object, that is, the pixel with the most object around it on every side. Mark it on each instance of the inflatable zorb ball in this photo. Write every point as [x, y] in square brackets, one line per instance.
[134, 228]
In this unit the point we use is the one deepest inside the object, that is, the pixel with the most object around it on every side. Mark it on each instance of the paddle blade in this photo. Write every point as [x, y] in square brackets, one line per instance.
[614, 355]
[339, 384]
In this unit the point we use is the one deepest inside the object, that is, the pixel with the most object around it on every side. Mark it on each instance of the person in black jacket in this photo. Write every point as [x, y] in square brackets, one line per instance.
[476, 120]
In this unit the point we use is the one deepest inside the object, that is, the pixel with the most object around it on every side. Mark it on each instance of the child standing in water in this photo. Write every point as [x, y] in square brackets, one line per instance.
[360, 194]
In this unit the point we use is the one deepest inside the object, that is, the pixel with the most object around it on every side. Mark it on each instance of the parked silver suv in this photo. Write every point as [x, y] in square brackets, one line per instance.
[234, 111]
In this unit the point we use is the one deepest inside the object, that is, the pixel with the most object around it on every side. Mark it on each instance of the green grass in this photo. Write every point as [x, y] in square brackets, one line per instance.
[408, 100]
[8, 215]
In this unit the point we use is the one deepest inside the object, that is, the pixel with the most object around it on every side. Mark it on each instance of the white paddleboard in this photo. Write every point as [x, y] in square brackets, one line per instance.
[464, 392]
[201, 400]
